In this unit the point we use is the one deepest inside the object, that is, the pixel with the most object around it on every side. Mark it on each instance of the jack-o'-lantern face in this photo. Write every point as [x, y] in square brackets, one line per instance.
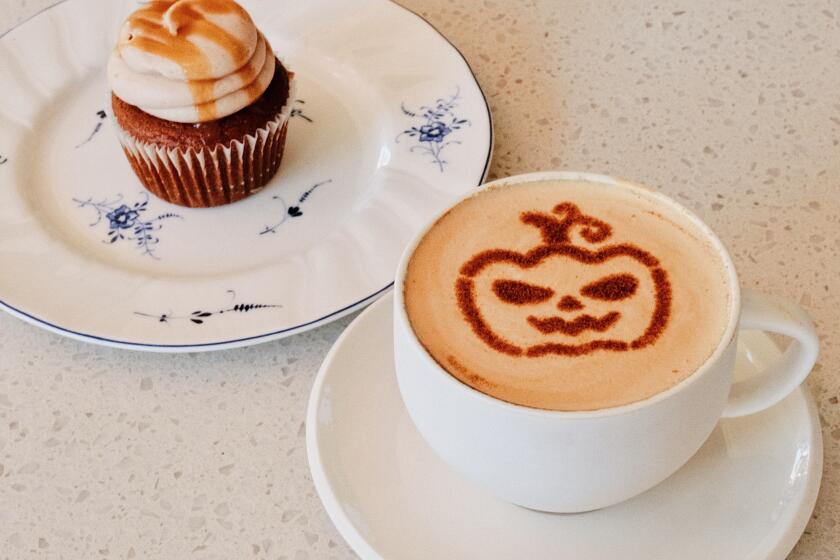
[562, 299]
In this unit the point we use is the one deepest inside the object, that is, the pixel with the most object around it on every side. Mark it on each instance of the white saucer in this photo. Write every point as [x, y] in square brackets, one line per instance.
[746, 495]
[389, 126]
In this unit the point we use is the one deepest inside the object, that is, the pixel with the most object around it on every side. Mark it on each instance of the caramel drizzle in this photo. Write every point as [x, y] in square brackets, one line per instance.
[151, 36]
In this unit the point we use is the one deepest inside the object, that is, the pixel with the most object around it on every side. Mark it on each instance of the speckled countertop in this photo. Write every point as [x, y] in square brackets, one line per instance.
[731, 107]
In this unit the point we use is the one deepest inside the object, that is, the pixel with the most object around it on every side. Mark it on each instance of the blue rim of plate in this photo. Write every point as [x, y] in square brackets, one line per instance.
[266, 337]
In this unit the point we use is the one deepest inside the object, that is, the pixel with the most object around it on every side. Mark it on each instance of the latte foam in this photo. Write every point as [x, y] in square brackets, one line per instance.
[567, 295]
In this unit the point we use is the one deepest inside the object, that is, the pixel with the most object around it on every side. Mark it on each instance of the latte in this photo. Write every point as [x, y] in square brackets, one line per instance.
[567, 295]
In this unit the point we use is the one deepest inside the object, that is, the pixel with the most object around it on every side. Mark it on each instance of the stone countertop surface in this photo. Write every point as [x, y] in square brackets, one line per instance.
[731, 107]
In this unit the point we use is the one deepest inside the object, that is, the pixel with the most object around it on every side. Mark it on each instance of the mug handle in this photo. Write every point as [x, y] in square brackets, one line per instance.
[778, 380]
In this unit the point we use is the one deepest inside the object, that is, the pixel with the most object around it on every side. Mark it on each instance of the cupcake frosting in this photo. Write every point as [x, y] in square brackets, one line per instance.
[190, 61]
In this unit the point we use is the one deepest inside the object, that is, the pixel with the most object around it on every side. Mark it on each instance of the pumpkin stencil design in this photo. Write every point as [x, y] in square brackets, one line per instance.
[572, 321]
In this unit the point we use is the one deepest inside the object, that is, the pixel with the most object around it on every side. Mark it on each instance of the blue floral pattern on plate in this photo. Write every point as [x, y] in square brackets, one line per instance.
[292, 211]
[298, 111]
[198, 316]
[101, 115]
[126, 222]
[438, 121]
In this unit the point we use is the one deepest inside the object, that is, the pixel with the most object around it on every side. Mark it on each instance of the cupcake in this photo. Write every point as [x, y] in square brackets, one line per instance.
[201, 104]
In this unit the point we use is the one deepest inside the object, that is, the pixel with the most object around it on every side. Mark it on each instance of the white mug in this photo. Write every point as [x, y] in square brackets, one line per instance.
[580, 461]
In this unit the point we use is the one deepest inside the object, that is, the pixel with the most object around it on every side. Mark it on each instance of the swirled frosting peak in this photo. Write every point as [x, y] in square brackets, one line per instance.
[190, 60]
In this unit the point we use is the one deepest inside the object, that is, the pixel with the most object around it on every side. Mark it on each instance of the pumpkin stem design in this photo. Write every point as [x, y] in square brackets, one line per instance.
[556, 230]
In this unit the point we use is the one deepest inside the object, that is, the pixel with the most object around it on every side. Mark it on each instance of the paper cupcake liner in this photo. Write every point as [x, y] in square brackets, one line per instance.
[212, 176]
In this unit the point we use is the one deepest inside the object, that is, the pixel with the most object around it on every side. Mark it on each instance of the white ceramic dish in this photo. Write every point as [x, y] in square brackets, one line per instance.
[389, 126]
[746, 495]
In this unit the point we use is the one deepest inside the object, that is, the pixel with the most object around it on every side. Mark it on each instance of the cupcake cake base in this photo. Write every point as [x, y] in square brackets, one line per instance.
[212, 163]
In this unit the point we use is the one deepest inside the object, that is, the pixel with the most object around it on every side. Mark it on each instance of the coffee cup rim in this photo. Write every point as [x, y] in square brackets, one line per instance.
[711, 236]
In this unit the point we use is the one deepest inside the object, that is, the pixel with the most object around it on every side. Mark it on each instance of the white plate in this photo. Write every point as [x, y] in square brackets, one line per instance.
[746, 495]
[363, 170]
